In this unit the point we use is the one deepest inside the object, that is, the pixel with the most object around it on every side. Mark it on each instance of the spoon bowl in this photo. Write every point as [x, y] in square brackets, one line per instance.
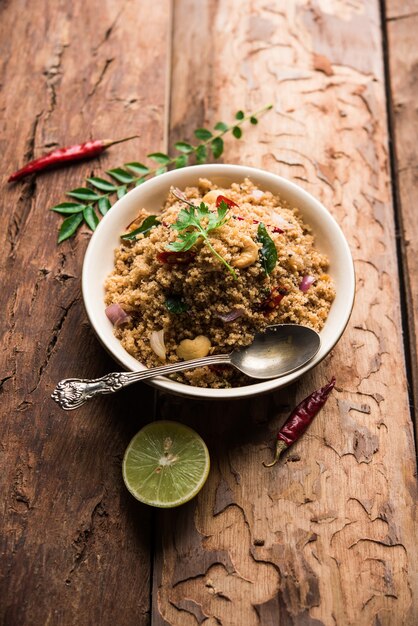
[279, 350]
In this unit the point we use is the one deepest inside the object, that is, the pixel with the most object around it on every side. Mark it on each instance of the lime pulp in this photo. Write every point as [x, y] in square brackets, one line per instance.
[166, 464]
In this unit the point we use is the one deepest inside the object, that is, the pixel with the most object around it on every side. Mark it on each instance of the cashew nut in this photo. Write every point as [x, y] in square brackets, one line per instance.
[248, 256]
[211, 196]
[193, 348]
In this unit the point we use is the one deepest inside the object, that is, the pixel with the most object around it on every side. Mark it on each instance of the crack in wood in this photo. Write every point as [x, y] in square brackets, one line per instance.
[52, 74]
[23, 206]
[19, 488]
[109, 30]
[57, 329]
[99, 79]
[5, 379]
[191, 606]
[85, 538]
[397, 18]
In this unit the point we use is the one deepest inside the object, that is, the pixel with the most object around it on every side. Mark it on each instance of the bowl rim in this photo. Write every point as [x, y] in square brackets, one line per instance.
[233, 172]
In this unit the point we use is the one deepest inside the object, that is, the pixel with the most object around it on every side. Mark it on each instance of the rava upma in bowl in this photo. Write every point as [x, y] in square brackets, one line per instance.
[198, 260]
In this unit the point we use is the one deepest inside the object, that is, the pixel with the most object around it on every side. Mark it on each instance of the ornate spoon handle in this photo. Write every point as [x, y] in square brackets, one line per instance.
[73, 392]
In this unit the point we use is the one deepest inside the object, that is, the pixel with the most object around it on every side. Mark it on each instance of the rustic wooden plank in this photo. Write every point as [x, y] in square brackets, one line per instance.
[403, 57]
[75, 546]
[329, 536]
[400, 9]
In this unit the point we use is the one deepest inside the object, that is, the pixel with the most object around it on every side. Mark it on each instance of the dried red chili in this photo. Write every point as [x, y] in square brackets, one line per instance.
[300, 418]
[85, 150]
[230, 203]
[176, 258]
[272, 302]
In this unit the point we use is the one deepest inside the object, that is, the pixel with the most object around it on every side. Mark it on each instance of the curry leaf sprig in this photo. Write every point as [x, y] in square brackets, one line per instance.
[82, 208]
[196, 222]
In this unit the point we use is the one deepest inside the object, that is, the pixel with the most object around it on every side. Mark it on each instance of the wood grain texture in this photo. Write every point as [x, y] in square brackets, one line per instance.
[75, 547]
[403, 61]
[328, 536]
[400, 9]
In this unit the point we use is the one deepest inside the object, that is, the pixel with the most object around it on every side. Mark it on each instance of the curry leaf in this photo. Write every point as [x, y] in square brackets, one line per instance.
[203, 133]
[268, 252]
[69, 226]
[139, 169]
[68, 208]
[237, 132]
[100, 183]
[121, 175]
[148, 223]
[217, 146]
[83, 193]
[159, 157]
[181, 161]
[201, 154]
[183, 146]
[104, 205]
[90, 217]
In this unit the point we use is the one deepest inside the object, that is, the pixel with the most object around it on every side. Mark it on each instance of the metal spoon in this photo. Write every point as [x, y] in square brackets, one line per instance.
[278, 351]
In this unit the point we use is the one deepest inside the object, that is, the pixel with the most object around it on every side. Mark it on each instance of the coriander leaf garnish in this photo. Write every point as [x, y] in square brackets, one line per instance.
[190, 225]
[184, 242]
[268, 253]
[148, 223]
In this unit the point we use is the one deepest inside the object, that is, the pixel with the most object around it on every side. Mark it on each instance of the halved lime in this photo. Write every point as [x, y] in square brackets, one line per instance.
[165, 464]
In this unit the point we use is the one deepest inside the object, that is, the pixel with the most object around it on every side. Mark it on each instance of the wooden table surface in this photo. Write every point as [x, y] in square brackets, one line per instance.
[329, 536]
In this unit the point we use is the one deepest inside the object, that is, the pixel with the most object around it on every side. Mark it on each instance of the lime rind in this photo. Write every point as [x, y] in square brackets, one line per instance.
[166, 464]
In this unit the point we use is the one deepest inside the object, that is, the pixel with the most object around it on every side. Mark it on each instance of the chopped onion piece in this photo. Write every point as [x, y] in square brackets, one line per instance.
[257, 193]
[232, 315]
[157, 343]
[279, 221]
[117, 315]
[307, 281]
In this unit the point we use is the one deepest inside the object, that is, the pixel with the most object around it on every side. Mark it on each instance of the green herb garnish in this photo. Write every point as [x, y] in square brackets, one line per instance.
[190, 225]
[148, 223]
[175, 304]
[134, 173]
[69, 226]
[268, 253]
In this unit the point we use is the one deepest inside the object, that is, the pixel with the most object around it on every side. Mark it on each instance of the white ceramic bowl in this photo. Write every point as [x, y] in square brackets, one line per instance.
[98, 263]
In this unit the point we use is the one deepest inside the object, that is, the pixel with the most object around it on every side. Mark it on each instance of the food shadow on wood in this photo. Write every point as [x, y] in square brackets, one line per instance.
[224, 424]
